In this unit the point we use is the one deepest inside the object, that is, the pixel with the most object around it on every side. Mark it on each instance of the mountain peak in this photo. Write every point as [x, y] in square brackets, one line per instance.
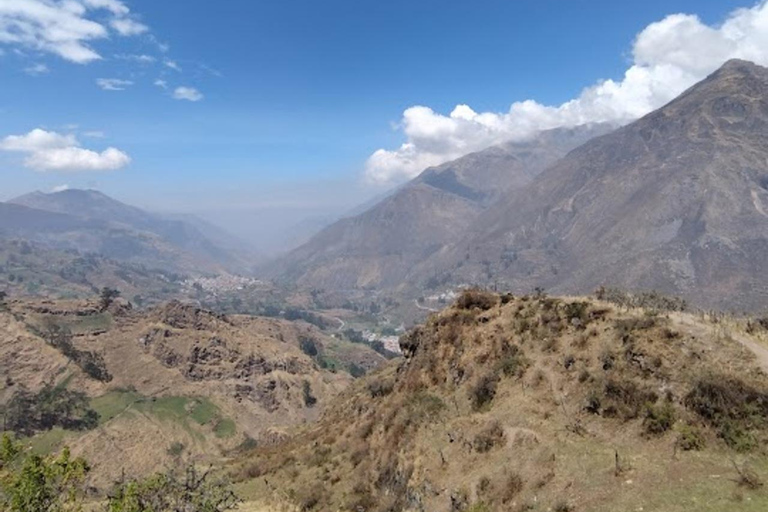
[739, 66]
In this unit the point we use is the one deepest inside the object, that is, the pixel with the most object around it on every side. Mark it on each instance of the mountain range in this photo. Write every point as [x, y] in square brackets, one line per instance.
[91, 222]
[379, 247]
[676, 201]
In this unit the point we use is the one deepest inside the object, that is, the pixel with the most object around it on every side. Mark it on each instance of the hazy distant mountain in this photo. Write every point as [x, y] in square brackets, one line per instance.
[90, 221]
[677, 201]
[379, 246]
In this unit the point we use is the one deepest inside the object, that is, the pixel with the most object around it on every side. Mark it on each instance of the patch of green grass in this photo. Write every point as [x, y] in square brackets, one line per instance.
[204, 411]
[169, 408]
[91, 323]
[112, 404]
[225, 428]
[48, 442]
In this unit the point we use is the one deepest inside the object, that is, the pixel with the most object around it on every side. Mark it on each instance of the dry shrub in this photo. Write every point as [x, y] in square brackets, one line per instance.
[514, 364]
[490, 437]
[732, 407]
[625, 399]
[747, 478]
[652, 300]
[477, 299]
[512, 488]
[690, 438]
[380, 387]
[483, 391]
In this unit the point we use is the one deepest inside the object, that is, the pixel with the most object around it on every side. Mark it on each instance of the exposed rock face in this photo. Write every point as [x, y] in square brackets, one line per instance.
[187, 316]
[676, 201]
[378, 247]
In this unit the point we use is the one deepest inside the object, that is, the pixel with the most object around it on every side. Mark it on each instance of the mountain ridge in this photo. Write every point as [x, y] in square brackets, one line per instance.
[675, 201]
[378, 247]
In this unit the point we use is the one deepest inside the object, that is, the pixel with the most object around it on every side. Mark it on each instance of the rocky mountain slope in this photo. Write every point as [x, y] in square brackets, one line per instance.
[540, 403]
[677, 201]
[174, 382]
[90, 221]
[378, 247]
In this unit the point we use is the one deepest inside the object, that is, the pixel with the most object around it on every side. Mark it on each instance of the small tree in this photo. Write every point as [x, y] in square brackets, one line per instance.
[37, 484]
[108, 296]
[167, 492]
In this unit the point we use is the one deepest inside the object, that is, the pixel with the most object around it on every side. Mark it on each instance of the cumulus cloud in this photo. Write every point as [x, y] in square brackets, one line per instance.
[51, 151]
[113, 84]
[187, 93]
[66, 28]
[60, 188]
[668, 57]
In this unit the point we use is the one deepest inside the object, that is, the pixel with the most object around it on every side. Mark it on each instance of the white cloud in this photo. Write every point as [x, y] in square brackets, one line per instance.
[113, 84]
[141, 59]
[173, 65]
[128, 27]
[161, 83]
[37, 69]
[77, 159]
[66, 28]
[51, 151]
[668, 57]
[187, 93]
[59, 188]
[95, 134]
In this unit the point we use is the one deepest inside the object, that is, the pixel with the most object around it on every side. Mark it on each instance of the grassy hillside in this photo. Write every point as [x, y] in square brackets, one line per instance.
[540, 403]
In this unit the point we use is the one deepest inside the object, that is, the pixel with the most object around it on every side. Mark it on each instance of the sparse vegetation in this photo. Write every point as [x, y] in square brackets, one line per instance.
[60, 338]
[652, 300]
[27, 413]
[477, 299]
[659, 418]
[732, 407]
[483, 391]
[488, 438]
[167, 492]
[107, 297]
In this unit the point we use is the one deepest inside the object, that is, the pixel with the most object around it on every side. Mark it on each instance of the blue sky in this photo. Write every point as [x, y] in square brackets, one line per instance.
[299, 94]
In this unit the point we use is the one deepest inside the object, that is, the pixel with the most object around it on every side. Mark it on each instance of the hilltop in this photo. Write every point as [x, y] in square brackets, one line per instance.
[542, 403]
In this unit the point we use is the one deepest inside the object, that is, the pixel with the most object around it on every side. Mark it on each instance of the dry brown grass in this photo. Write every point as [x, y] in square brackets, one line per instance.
[457, 424]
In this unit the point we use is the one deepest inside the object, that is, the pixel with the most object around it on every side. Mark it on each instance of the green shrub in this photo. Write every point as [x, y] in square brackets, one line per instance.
[192, 491]
[690, 438]
[659, 418]
[176, 449]
[37, 484]
[734, 408]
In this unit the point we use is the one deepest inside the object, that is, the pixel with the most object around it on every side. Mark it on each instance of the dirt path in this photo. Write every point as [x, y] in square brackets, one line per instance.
[760, 350]
[424, 308]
